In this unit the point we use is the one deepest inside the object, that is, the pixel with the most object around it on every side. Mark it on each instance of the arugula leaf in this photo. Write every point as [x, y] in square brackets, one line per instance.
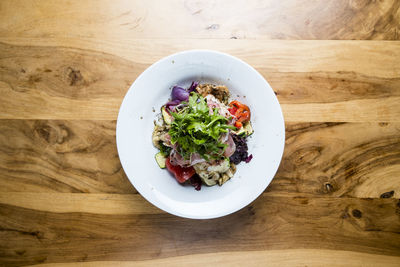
[194, 129]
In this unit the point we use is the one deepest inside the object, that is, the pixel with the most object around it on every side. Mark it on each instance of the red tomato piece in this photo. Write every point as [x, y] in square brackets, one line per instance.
[181, 174]
[240, 111]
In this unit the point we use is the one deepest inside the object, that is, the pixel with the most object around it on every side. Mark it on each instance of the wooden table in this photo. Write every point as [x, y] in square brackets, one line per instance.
[66, 65]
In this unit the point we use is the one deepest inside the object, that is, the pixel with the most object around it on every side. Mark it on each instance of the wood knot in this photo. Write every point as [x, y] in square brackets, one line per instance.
[301, 200]
[34, 79]
[44, 131]
[387, 194]
[357, 213]
[74, 76]
[304, 201]
[328, 188]
[52, 134]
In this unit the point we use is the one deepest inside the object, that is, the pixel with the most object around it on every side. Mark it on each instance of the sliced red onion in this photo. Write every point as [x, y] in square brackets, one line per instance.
[248, 159]
[193, 86]
[195, 181]
[178, 93]
[171, 105]
[181, 105]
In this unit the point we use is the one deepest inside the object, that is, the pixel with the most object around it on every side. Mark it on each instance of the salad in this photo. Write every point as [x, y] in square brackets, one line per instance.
[201, 136]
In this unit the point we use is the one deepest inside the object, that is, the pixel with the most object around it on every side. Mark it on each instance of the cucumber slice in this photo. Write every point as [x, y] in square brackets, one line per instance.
[246, 129]
[239, 131]
[160, 159]
[166, 116]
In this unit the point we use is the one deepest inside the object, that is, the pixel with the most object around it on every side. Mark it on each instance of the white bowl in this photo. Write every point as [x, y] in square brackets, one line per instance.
[135, 125]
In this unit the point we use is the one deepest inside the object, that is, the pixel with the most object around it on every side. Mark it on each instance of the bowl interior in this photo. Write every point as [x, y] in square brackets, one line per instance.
[135, 125]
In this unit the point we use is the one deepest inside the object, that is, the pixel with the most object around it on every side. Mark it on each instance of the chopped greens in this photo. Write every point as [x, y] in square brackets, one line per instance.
[165, 150]
[194, 129]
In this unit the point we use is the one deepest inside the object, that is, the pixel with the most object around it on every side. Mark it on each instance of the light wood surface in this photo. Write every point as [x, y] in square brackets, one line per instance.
[70, 78]
[269, 19]
[287, 257]
[66, 65]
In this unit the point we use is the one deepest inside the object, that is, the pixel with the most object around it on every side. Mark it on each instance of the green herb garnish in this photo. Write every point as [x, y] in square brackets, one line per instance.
[165, 150]
[196, 130]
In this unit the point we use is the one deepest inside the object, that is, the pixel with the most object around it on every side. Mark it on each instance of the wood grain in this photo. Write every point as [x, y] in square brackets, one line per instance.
[315, 82]
[320, 159]
[301, 19]
[303, 257]
[340, 159]
[32, 236]
[60, 156]
[65, 67]
[104, 204]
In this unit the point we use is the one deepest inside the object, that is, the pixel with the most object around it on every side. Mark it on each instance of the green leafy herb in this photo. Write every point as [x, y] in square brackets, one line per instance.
[165, 150]
[194, 129]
